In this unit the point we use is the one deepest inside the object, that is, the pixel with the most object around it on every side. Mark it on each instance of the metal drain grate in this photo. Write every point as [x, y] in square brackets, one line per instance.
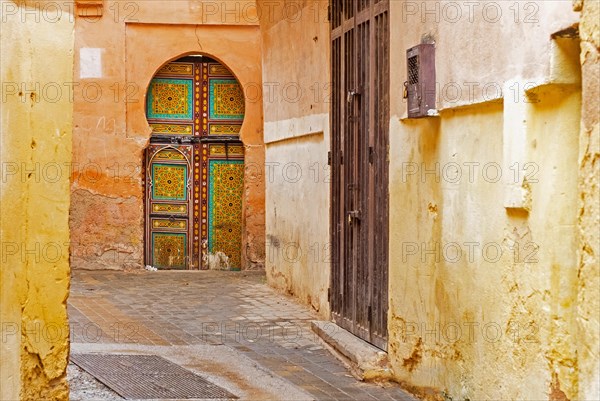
[145, 377]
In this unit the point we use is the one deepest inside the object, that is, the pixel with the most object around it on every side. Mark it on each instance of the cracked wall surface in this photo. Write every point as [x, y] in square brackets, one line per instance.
[588, 302]
[36, 134]
[117, 52]
[486, 294]
[485, 286]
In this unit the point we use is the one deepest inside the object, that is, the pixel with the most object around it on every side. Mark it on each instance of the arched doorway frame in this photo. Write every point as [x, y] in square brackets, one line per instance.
[151, 46]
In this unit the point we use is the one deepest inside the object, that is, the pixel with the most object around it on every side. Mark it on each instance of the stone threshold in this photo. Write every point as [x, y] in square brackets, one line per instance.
[366, 362]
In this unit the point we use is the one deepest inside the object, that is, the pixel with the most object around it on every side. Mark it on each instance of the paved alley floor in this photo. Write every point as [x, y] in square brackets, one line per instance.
[228, 327]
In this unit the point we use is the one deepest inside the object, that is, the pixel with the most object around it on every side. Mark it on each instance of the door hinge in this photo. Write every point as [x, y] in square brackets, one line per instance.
[329, 158]
[329, 295]
[371, 154]
[328, 13]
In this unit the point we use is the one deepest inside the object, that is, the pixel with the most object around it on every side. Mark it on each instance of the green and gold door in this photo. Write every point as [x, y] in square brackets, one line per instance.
[194, 167]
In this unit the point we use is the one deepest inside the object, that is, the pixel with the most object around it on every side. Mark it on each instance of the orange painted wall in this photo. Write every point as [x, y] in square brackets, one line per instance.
[116, 56]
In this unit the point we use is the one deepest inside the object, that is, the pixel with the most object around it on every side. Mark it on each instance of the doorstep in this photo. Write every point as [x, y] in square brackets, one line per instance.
[366, 361]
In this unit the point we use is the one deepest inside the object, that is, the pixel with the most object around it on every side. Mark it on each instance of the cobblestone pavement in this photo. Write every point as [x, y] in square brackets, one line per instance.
[232, 309]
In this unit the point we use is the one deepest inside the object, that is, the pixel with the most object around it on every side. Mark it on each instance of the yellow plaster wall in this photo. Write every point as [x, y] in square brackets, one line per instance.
[35, 152]
[588, 302]
[482, 298]
[464, 323]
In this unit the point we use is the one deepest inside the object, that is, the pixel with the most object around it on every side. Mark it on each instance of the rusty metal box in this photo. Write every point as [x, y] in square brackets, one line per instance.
[420, 85]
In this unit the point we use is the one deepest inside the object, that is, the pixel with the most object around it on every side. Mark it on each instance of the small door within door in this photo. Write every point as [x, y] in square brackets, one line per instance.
[169, 197]
[194, 167]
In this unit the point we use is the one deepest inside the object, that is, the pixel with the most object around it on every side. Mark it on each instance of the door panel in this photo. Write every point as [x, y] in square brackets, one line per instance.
[225, 188]
[359, 126]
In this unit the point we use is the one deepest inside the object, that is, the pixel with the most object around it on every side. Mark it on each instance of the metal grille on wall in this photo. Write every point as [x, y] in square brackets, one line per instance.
[194, 166]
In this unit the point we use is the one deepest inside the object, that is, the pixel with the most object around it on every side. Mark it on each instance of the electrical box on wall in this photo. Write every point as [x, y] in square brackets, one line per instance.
[420, 86]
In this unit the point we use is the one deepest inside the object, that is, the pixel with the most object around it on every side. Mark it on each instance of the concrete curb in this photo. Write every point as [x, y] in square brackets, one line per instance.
[367, 362]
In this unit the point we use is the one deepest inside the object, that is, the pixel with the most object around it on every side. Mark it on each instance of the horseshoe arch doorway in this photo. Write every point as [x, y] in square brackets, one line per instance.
[194, 166]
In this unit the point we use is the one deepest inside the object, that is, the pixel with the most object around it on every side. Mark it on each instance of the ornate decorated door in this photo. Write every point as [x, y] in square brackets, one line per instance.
[359, 192]
[194, 167]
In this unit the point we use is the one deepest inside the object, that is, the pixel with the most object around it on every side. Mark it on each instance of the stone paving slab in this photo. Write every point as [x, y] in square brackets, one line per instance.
[213, 308]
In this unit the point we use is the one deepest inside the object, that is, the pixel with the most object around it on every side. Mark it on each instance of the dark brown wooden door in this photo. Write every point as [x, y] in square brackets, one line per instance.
[359, 126]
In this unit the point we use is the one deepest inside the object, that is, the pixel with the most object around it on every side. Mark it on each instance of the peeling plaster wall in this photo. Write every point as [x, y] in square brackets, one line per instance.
[119, 47]
[588, 303]
[35, 152]
[295, 36]
[484, 200]
[482, 297]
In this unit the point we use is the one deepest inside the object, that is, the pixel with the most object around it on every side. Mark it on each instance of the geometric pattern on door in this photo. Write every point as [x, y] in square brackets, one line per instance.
[170, 181]
[227, 99]
[226, 188]
[195, 107]
[169, 250]
[171, 99]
